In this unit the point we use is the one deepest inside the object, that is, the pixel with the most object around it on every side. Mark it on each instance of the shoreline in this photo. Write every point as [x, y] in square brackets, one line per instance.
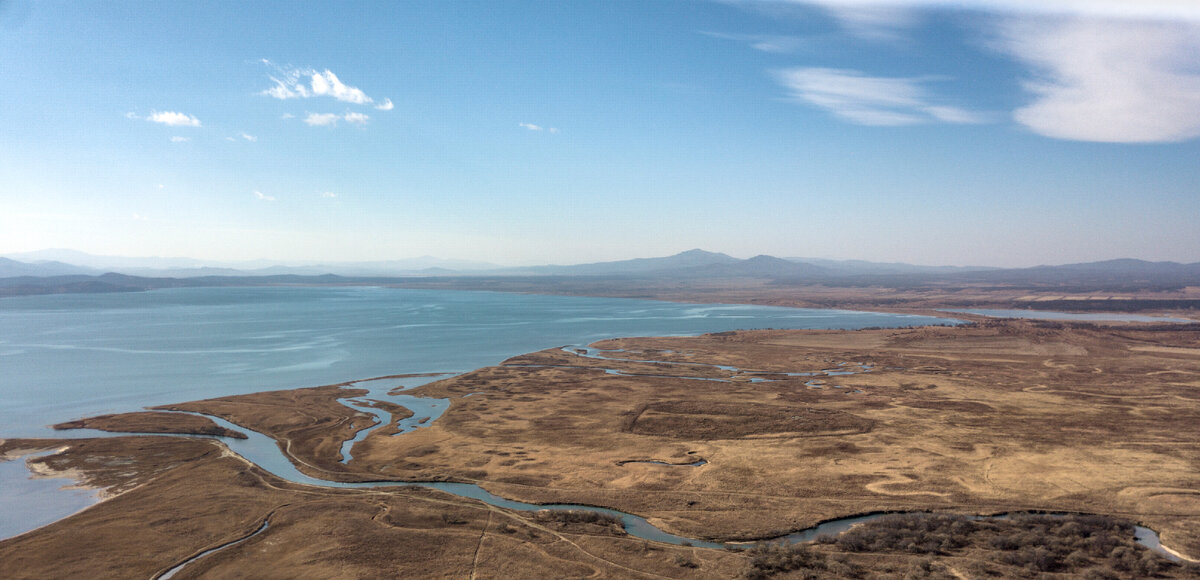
[910, 378]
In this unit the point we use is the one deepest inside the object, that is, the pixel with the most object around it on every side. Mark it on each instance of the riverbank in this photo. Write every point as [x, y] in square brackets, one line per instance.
[795, 427]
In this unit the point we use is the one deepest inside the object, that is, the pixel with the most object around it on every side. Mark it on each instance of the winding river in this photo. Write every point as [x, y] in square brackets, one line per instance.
[72, 356]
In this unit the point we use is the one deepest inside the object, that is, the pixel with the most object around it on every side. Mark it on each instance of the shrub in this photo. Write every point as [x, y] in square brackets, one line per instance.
[769, 559]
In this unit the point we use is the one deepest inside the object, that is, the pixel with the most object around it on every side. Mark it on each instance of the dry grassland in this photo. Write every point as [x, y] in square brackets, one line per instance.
[1000, 416]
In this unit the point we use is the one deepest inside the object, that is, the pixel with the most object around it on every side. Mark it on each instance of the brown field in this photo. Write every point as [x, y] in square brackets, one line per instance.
[1001, 416]
[151, 422]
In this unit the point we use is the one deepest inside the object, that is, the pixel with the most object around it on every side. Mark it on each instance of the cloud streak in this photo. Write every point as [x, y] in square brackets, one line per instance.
[867, 100]
[263, 196]
[1107, 81]
[772, 43]
[331, 119]
[172, 119]
[1113, 71]
[533, 127]
[891, 10]
[305, 83]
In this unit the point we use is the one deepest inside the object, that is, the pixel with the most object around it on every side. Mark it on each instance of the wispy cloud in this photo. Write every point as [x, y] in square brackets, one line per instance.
[250, 138]
[866, 100]
[169, 118]
[304, 83]
[263, 196]
[331, 119]
[773, 43]
[322, 119]
[532, 127]
[893, 13]
[1109, 81]
[1118, 71]
[178, 139]
[328, 194]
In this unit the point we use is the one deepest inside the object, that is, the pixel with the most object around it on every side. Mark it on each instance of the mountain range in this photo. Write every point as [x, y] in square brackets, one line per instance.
[79, 272]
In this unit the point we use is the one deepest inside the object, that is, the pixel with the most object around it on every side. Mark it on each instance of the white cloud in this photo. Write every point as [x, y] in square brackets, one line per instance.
[287, 116]
[178, 139]
[331, 119]
[773, 43]
[250, 138]
[328, 194]
[173, 119]
[303, 83]
[1109, 81]
[866, 100]
[138, 217]
[327, 84]
[881, 11]
[322, 119]
[532, 127]
[263, 196]
[1118, 71]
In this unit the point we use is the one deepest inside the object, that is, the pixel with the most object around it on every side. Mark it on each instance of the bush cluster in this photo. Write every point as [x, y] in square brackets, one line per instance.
[1098, 545]
[577, 517]
[769, 559]
[912, 533]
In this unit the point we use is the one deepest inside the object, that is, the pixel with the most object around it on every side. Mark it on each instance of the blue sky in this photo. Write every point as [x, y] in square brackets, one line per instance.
[935, 132]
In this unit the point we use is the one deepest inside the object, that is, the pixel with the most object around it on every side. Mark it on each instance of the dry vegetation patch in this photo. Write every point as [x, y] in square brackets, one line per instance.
[152, 422]
[701, 421]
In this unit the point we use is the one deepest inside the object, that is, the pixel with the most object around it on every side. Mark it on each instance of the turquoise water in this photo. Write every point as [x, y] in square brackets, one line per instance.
[64, 357]
[68, 356]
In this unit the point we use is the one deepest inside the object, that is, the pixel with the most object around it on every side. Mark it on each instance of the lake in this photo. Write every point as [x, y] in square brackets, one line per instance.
[68, 356]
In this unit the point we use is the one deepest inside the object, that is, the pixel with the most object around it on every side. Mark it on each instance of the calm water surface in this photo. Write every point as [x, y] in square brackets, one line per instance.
[69, 356]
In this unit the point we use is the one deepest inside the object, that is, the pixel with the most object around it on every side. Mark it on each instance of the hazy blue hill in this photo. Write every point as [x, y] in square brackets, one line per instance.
[864, 267]
[638, 266]
[1107, 274]
[104, 263]
[12, 268]
[758, 267]
[159, 267]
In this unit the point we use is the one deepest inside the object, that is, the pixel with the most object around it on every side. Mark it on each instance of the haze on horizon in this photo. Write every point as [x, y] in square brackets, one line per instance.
[978, 132]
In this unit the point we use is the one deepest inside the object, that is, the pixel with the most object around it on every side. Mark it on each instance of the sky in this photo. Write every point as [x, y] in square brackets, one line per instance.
[969, 132]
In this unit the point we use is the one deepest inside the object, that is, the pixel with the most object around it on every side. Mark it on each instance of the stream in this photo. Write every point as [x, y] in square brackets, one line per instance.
[266, 453]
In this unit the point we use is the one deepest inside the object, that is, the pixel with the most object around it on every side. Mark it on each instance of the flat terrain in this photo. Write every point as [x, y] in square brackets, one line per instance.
[729, 436]
[151, 422]
[887, 293]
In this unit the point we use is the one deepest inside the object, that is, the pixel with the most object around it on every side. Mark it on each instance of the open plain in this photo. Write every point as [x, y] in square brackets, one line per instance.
[734, 436]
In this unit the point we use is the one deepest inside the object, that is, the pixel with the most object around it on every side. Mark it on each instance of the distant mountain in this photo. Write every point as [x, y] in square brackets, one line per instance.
[758, 267]
[192, 268]
[104, 263]
[1107, 274]
[638, 266]
[863, 267]
[11, 268]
